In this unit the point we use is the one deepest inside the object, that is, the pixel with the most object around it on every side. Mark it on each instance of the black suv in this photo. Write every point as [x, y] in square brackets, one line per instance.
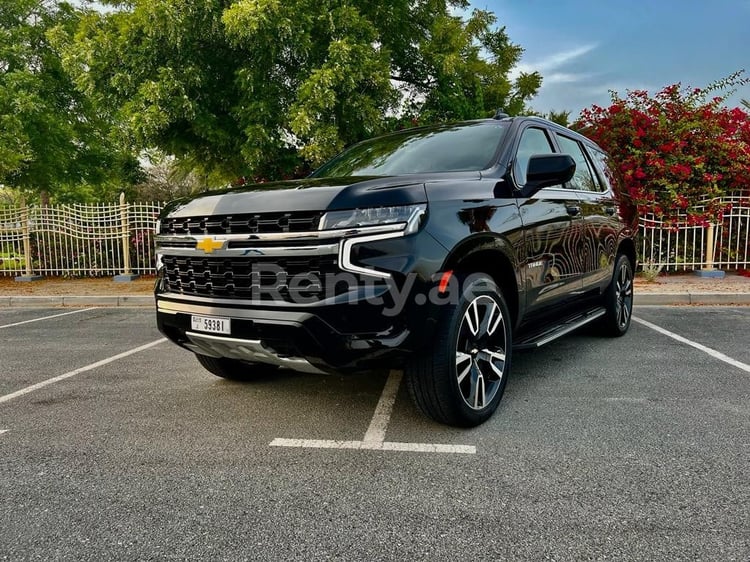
[438, 250]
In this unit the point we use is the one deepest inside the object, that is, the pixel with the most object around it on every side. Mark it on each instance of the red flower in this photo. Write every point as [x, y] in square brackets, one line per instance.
[667, 147]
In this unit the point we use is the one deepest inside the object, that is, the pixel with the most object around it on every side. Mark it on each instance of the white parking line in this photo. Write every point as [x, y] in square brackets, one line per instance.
[374, 446]
[46, 317]
[712, 352]
[374, 438]
[376, 432]
[75, 372]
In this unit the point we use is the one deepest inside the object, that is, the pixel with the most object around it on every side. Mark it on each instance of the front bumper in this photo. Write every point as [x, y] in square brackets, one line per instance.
[313, 340]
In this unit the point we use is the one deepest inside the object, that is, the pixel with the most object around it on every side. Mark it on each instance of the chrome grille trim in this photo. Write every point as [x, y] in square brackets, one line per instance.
[252, 250]
[164, 241]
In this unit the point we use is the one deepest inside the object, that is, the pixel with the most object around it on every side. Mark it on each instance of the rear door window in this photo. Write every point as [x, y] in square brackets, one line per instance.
[584, 178]
[601, 161]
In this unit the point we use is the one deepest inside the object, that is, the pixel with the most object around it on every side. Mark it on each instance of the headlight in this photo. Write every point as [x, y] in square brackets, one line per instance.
[409, 215]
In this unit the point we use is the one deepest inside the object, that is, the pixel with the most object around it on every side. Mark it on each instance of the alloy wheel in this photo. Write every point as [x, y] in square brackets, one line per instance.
[624, 296]
[480, 352]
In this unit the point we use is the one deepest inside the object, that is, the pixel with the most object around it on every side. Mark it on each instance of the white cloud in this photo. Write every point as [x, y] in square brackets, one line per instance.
[564, 77]
[550, 63]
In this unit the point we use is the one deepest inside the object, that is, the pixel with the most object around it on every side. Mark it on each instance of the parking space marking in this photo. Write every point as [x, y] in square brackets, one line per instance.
[376, 432]
[712, 352]
[46, 317]
[374, 446]
[374, 439]
[80, 370]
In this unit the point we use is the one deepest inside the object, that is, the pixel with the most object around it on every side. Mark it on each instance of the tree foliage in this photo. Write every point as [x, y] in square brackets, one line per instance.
[677, 149]
[52, 138]
[266, 87]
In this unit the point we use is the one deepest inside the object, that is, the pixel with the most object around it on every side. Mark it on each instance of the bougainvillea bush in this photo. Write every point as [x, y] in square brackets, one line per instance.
[677, 150]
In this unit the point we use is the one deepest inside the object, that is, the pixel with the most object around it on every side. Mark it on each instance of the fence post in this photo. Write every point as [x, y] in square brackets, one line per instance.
[126, 274]
[26, 235]
[708, 269]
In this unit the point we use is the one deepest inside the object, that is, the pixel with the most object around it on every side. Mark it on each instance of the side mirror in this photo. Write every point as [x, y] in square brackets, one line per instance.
[546, 170]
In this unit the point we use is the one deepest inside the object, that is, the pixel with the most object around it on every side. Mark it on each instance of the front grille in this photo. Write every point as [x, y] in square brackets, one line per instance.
[258, 223]
[256, 277]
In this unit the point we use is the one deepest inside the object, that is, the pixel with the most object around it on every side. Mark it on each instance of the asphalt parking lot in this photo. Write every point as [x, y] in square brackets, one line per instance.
[116, 445]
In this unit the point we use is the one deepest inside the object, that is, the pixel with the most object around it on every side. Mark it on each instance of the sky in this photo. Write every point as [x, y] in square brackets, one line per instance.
[584, 48]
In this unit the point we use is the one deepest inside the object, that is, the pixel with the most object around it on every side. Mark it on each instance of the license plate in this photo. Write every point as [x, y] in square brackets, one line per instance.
[211, 324]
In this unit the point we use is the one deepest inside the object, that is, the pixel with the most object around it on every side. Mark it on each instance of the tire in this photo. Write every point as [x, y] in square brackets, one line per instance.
[460, 379]
[618, 299]
[232, 369]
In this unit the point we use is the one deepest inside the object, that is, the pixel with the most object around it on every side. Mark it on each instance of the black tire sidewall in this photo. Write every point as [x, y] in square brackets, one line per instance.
[474, 286]
[613, 325]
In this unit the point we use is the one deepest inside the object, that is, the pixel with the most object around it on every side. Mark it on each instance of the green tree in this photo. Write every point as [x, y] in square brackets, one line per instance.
[52, 139]
[268, 87]
[559, 117]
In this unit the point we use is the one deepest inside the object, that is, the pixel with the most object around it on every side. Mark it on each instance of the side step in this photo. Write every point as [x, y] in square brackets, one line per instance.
[538, 339]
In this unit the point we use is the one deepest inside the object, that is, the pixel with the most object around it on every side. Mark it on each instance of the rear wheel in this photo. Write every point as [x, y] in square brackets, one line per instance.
[461, 378]
[618, 299]
[234, 370]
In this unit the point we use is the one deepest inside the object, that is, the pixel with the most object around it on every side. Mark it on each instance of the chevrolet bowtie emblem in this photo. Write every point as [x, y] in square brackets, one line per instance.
[208, 245]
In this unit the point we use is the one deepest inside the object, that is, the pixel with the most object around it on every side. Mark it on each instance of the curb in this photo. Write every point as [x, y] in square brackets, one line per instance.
[82, 300]
[663, 299]
[647, 299]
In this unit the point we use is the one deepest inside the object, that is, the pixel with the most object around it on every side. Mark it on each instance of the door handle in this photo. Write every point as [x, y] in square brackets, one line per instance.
[610, 210]
[573, 210]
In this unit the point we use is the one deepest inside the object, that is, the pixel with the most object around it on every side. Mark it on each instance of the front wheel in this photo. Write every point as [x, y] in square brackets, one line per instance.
[460, 379]
[618, 299]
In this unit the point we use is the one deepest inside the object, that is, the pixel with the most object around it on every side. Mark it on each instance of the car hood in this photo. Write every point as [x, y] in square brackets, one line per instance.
[311, 194]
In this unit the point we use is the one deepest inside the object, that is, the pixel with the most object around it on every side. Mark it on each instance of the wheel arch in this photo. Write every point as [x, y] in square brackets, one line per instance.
[493, 256]
[627, 247]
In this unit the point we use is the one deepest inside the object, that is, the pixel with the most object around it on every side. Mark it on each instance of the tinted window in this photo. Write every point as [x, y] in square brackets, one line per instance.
[533, 141]
[584, 178]
[602, 162]
[458, 148]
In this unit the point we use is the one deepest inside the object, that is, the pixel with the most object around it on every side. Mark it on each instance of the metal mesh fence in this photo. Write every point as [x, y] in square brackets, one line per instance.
[682, 246]
[78, 240]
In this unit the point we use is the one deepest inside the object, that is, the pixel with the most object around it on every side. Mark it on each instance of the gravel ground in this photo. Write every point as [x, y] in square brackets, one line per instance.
[689, 282]
[59, 286]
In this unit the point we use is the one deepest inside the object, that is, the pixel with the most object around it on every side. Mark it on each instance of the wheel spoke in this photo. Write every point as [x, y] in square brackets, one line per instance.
[477, 396]
[463, 365]
[628, 289]
[488, 311]
[493, 318]
[472, 318]
[496, 361]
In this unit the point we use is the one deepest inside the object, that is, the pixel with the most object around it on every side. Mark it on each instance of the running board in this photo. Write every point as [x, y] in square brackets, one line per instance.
[538, 339]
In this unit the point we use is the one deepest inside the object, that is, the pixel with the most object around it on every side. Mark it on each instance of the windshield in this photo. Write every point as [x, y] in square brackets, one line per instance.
[453, 148]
